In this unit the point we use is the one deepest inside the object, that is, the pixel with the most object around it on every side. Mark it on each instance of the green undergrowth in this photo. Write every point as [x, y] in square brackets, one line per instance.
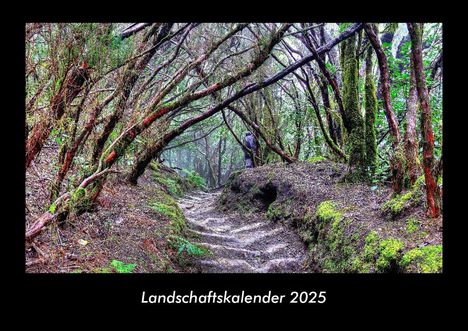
[116, 266]
[183, 245]
[412, 225]
[171, 181]
[401, 202]
[195, 179]
[315, 159]
[426, 259]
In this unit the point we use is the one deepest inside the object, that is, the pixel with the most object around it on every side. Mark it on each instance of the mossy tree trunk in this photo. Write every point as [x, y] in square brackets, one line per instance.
[131, 75]
[432, 190]
[70, 87]
[397, 159]
[355, 144]
[371, 113]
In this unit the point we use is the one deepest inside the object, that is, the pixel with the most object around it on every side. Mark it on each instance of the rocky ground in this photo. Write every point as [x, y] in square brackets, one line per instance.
[241, 242]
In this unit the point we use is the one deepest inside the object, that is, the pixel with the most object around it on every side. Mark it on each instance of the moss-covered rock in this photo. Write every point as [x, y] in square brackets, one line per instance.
[426, 259]
[275, 212]
[390, 251]
[401, 202]
[326, 212]
[171, 181]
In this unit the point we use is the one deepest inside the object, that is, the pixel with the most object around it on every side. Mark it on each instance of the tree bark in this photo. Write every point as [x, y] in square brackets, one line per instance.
[432, 190]
[411, 141]
[355, 144]
[131, 76]
[396, 161]
[371, 113]
[68, 91]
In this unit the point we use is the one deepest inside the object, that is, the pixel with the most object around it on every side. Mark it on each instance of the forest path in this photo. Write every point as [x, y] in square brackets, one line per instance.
[239, 243]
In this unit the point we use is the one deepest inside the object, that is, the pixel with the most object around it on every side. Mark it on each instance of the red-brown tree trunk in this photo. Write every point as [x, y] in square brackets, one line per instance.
[432, 190]
[68, 91]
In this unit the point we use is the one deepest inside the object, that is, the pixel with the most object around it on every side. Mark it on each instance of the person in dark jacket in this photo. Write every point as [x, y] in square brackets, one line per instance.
[251, 144]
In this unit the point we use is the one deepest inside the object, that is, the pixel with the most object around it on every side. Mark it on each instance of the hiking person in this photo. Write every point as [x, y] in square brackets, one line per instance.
[251, 150]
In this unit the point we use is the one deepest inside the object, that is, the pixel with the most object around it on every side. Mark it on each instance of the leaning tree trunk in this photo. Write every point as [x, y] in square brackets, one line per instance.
[120, 145]
[68, 91]
[432, 190]
[131, 76]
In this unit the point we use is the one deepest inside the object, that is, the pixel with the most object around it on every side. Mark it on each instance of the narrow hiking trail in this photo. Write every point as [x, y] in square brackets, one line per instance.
[241, 243]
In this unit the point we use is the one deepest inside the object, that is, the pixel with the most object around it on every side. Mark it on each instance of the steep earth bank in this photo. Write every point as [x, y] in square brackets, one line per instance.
[347, 227]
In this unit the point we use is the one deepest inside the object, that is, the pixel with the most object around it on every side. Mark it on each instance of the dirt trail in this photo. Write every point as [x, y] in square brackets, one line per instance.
[241, 243]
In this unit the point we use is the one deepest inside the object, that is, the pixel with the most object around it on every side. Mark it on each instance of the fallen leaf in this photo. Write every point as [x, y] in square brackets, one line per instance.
[83, 242]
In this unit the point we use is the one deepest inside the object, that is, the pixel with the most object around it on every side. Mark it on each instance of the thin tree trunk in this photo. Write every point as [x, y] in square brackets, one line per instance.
[70, 88]
[397, 157]
[432, 190]
[411, 141]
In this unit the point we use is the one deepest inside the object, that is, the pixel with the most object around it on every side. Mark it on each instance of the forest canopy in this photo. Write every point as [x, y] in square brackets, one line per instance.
[111, 99]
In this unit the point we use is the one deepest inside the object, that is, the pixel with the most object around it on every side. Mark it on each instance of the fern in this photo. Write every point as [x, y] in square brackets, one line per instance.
[182, 244]
[122, 268]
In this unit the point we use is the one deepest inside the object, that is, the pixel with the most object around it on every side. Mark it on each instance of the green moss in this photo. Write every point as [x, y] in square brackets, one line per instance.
[397, 204]
[315, 159]
[53, 208]
[426, 259]
[78, 194]
[412, 225]
[370, 115]
[172, 182]
[371, 246]
[173, 186]
[274, 212]
[337, 248]
[359, 265]
[355, 143]
[389, 253]
[169, 208]
[326, 212]
[80, 199]
[335, 234]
